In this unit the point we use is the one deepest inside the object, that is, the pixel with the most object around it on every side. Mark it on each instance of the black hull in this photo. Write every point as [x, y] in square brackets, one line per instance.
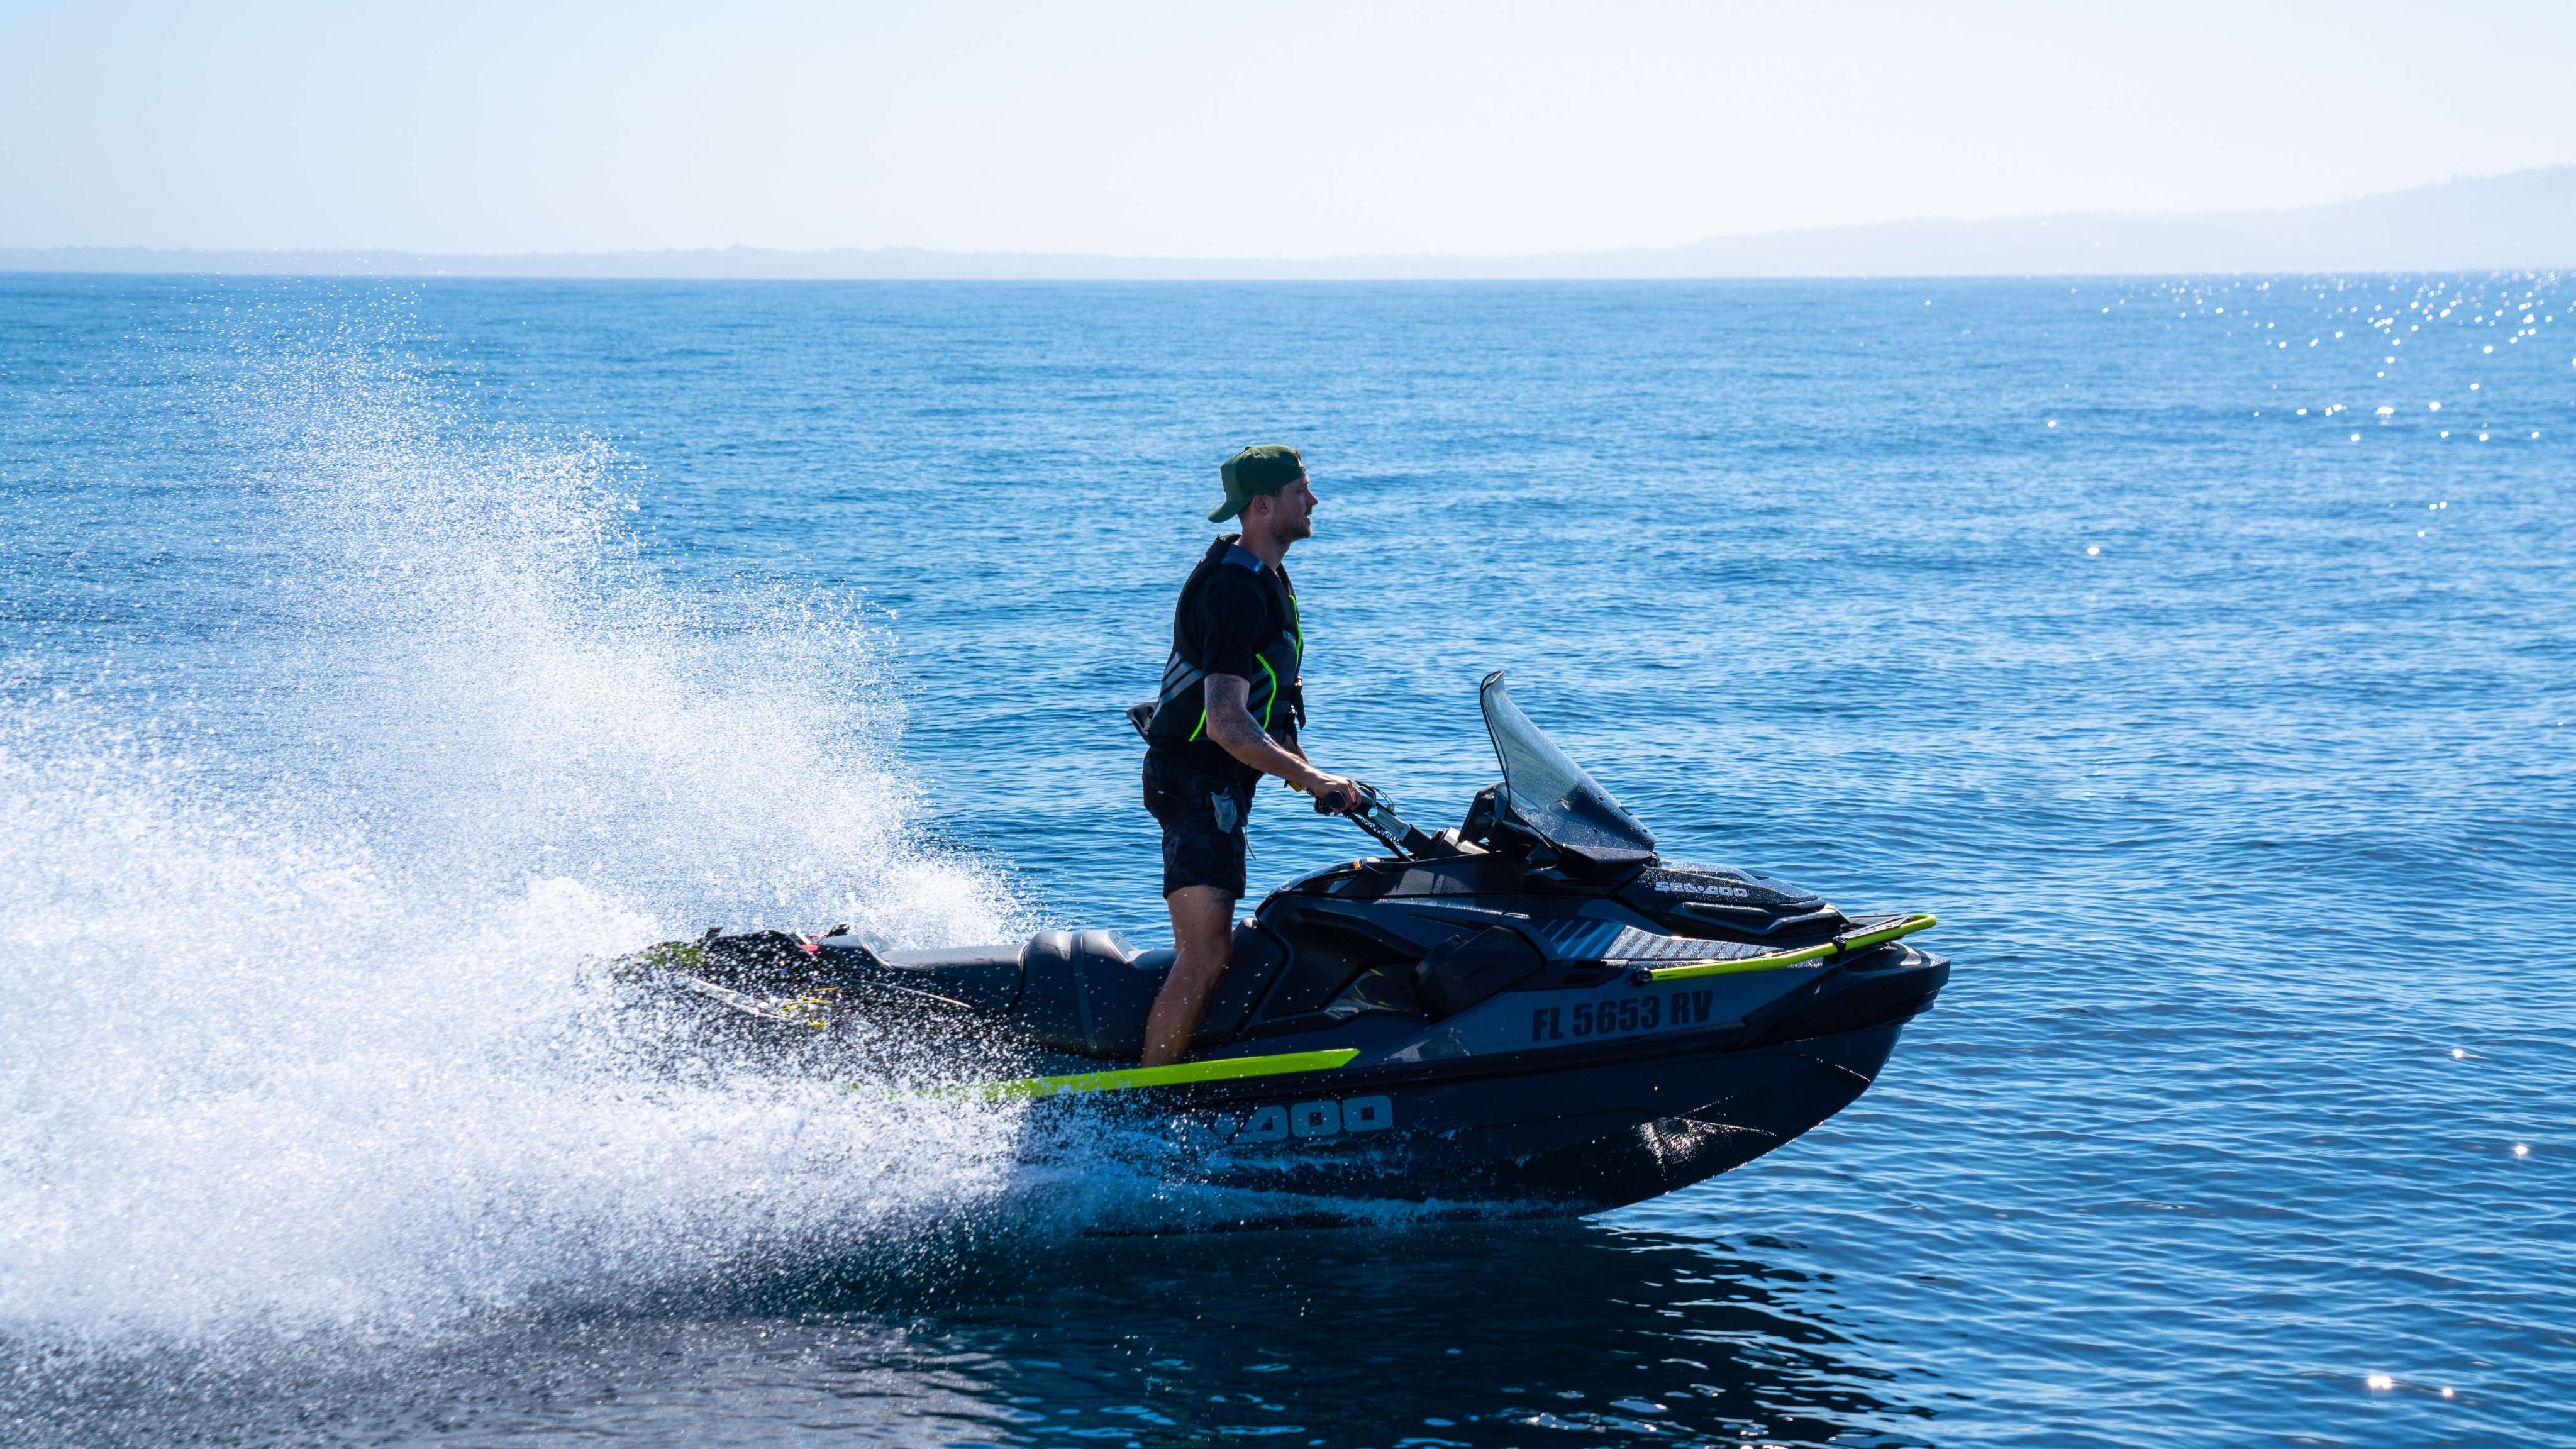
[1572, 1138]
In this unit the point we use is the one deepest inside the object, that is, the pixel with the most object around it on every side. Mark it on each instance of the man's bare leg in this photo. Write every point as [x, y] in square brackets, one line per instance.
[1203, 932]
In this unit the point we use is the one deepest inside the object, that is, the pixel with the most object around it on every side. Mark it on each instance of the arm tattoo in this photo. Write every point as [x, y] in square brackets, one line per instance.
[1229, 713]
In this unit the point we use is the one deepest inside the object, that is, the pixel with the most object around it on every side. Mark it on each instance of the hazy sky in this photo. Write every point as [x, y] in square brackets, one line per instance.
[1209, 129]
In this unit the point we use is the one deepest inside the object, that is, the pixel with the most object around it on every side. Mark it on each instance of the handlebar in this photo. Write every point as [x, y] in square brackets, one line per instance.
[1374, 816]
[1332, 804]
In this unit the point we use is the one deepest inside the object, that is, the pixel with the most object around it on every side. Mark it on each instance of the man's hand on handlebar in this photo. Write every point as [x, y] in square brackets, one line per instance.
[1335, 795]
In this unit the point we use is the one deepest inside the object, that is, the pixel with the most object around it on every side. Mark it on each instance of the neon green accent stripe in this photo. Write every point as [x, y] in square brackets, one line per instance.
[1694, 970]
[1224, 1069]
[1920, 921]
[1273, 700]
[1202, 724]
[1698, 969]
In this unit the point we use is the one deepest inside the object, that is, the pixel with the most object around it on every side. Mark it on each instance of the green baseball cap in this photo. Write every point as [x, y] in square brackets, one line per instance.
[1262, 468]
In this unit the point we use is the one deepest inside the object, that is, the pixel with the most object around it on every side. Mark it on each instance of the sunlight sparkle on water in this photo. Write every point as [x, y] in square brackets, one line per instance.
[638, 736]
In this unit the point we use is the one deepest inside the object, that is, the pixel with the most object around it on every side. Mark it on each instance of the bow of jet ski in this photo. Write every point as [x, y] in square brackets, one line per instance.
[1532, 1007]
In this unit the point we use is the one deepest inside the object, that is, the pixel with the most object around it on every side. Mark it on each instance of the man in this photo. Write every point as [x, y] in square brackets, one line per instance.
[1228, 714]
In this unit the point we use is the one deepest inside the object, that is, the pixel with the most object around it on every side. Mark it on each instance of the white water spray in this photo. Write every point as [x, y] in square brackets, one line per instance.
[302, 1051]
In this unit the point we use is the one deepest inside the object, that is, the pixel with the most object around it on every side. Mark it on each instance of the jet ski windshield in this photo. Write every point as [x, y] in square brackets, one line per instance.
[1547, 794]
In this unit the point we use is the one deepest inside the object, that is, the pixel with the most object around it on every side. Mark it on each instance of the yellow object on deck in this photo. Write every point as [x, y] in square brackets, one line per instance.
[1692, 970]
[1126, 1079]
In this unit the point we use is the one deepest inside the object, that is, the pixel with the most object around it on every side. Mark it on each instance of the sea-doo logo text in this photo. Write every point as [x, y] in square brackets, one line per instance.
[1695, 888]
[1317, 1119]
[1650, 1012]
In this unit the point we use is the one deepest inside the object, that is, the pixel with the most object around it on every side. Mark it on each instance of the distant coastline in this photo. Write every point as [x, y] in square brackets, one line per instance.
[2524, 221]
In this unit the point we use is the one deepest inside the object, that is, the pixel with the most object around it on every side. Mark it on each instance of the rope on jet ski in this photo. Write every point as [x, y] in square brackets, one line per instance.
[1840, 945]
[1222, 1069]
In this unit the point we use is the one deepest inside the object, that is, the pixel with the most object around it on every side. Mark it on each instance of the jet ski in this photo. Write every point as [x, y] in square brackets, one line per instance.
[1531, 1008]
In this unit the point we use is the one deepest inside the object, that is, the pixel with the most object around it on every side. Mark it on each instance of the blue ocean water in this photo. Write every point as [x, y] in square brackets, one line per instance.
[374, 653]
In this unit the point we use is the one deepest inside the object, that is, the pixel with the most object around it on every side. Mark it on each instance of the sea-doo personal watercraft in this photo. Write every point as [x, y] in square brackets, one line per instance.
[1530, 1008]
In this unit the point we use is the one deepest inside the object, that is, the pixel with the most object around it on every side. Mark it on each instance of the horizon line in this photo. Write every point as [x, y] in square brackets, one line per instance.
[2006, 239]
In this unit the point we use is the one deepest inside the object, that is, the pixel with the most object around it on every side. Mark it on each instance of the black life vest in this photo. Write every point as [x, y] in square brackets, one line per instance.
[1276, 702]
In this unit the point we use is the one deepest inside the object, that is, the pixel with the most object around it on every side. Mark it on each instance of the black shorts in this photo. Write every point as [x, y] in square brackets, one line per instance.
[1202, 819]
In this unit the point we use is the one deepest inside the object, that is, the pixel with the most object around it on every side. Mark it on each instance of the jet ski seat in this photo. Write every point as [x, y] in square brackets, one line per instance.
[1089, 992]
[1086, 992]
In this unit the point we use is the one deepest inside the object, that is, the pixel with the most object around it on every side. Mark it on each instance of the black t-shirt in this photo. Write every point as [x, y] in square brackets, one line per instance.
[1238, 616]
